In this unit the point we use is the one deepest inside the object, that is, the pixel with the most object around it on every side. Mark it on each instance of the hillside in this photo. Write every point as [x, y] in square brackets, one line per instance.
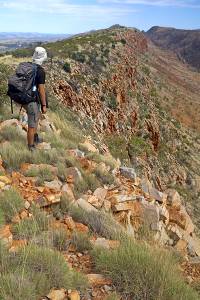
[112, 195]
[185, 43]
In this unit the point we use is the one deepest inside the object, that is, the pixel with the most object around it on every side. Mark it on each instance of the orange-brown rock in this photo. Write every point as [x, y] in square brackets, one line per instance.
[17, 244]
[181, 246]
[98, 280]
[181, 218]
[74, 295]
[6, 235]
[129, 205]
[70, 223]
[81, 228]
[57, 295]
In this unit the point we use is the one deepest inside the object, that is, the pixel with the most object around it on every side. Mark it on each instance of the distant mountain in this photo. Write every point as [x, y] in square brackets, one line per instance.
[33, 36]
[185, 43]
[16, 40]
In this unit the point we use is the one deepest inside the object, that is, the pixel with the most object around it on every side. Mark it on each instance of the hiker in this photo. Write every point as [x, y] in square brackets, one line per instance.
[33, 108]
[27, 87]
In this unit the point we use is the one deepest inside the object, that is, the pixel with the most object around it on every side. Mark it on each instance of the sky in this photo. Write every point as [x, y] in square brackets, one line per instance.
[75, 16]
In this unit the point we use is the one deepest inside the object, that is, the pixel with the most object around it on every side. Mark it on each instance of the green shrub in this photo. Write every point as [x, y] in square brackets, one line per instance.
[138, 146]
[100, 223]
[60, 239]
[12, 134]
[123, 41]
[2, 218]
[46, 157]
[140, 272]
[42, 174]
[11, 203]
[14, 154]
[65, 204]
[113, 296]
[111, 102]
[117, 146]
[30, 227]
[67, 67]
[17, 286]
[98, 158]
[103, 176]
[78, 56]
[28, 52]
[33, 271]
[48, 263]
[91, 181]
[81, 241]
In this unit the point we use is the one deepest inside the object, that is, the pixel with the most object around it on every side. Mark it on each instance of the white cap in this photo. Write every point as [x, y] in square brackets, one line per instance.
[39, 56]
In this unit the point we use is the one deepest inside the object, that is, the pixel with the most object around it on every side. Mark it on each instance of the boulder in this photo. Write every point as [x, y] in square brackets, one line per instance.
[53, 185]
[134, 206]
[74, 295]
[53, 198]
[158, 196]
[124, 197]
[95, 201]
[57, 295]
[181, 218]
[46, 126]
[163, 237]
[193, 245]
[66, 189]
[174, 232]
[164, 214]
[150, 214]
[173, 198]
[150, 191]
[9, 123]
[128, 173]
[100, 193]
[181, 246]
[85, 205]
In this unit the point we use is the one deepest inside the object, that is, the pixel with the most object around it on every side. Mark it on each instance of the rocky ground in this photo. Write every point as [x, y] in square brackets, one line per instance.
[122, 167]
[141, 210]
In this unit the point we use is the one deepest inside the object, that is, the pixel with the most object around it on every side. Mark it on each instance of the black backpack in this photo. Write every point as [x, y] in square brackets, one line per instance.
[21, 85]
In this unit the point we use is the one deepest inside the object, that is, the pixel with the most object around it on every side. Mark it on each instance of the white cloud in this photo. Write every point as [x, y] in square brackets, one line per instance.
[179, 3]
[66, 8]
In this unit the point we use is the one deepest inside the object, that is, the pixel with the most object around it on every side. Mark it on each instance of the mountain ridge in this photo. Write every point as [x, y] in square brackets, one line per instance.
[185, 43]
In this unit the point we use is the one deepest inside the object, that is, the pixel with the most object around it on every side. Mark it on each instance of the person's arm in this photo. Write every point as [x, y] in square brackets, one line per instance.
[42, 93]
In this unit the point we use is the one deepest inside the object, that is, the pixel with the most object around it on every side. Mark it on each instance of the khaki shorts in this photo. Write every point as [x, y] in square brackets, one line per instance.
[33, 112]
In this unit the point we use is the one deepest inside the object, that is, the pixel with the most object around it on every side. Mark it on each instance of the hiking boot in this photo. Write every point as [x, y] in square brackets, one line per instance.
[31, 148]
[37, 139]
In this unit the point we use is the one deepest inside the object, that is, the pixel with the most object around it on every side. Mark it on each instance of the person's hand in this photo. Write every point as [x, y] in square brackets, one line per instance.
[44, 109]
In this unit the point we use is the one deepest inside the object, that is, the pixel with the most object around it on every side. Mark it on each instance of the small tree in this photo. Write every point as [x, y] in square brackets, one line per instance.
[67, 67]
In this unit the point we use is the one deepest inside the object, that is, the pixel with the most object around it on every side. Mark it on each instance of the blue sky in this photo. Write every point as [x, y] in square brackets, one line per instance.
[74, 16]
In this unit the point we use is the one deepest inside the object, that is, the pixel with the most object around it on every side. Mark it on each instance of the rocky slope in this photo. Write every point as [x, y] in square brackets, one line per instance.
[185, 43]
[141, 101]
[140, 212]
[126, 94]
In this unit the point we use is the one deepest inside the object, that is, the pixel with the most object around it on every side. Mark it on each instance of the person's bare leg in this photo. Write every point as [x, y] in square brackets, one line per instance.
[30, 136]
